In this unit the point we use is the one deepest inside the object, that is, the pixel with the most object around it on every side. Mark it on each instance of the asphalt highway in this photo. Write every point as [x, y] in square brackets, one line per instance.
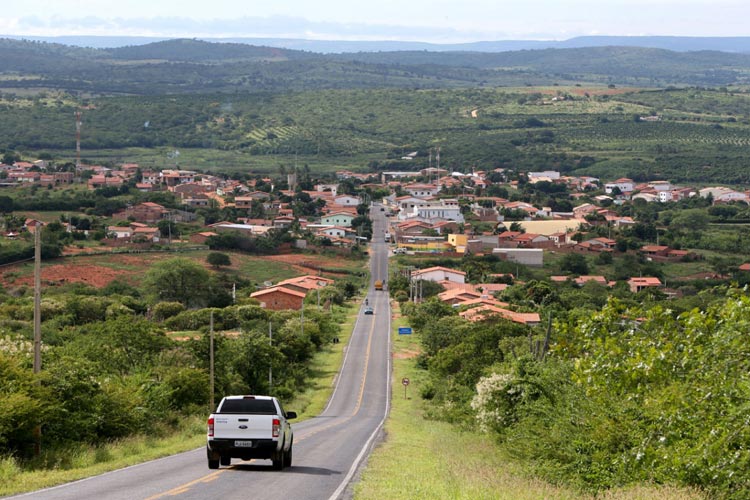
[328, 449]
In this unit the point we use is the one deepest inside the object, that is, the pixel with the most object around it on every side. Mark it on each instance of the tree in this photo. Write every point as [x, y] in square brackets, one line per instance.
[218, 259]
[574, 263]
[179, 280]
[6, 204]
[167, 228]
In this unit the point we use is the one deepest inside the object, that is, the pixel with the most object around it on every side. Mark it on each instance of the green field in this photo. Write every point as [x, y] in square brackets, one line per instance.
[700, 136]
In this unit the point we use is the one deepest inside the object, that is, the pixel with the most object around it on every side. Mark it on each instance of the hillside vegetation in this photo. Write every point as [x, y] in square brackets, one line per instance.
[699, 135]
[193, 66]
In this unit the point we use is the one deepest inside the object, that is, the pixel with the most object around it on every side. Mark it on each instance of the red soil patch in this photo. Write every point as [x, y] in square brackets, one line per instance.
[305, 263]
[96, 276]
[406, 354]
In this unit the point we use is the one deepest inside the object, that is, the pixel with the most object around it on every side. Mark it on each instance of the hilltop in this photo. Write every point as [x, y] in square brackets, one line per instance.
[195, 66]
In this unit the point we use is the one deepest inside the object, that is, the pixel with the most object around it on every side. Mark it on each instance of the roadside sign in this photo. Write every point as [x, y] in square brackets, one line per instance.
[404, 330]
[405, 383]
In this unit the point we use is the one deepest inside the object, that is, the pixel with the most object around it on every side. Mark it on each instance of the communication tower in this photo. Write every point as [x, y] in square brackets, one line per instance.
[78, 139]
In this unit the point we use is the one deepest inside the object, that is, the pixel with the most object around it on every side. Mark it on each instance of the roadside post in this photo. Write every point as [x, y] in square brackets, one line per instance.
[405, 383]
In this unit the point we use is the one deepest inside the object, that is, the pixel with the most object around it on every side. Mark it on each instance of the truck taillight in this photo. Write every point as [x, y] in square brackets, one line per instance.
[276, 427]
[211, 427]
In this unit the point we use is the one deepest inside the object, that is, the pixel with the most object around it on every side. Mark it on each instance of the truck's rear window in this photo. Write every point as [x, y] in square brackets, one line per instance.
[257, 406]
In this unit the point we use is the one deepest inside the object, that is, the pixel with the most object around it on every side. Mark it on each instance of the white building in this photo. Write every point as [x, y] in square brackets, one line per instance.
[445, 212]
[526, 256]
[440, 273]
[623, 184]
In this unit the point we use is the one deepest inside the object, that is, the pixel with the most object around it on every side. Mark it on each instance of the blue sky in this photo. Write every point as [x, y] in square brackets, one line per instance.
[418, 20]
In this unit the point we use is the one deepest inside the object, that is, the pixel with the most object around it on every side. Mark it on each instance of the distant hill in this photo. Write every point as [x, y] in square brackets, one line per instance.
[673, 43]
[196, 66]
[191, 50]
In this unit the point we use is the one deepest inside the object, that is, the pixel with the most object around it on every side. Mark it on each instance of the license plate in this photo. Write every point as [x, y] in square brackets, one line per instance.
[243, 444]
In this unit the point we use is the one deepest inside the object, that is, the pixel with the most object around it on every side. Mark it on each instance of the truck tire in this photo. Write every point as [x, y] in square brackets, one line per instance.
[225, 460]
[288, 456]
[213, 464]
[278, 459]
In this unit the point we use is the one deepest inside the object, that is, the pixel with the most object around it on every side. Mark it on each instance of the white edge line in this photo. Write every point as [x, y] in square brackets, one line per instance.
[345, 483]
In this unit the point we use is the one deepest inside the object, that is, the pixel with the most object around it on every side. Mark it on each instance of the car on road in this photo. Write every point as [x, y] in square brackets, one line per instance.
[369, 310]
[249, 427]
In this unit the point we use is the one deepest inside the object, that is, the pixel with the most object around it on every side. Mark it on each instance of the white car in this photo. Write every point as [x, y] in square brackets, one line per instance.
[248, 427]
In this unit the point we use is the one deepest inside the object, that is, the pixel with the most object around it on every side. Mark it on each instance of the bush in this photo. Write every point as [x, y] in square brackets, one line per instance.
[164, 310]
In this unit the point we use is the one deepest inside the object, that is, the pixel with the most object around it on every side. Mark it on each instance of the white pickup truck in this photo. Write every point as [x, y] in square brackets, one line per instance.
[248, 427]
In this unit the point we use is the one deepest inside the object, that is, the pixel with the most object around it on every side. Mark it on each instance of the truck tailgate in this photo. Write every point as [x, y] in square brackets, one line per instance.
[229, 426]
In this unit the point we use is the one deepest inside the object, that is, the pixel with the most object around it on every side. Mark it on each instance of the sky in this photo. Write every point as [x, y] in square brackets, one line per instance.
[439, 21]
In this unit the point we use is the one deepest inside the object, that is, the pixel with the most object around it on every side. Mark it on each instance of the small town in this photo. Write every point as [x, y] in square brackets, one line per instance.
[374, 251]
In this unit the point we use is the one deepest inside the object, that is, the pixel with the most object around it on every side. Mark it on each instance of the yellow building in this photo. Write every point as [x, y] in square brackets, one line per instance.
[458, 241]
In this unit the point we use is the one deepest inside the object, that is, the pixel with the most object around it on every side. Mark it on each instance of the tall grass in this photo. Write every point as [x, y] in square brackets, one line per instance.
[427, 459]
[76, 462]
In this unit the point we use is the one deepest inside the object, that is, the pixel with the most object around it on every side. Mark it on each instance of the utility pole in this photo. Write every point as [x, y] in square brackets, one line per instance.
[38, 324]
[211, 357]
[78, 140]
[270, 367]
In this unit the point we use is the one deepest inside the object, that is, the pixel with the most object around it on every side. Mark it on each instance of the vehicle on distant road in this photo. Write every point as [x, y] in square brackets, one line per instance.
[369, 310]
[378, 284]
[249, 427]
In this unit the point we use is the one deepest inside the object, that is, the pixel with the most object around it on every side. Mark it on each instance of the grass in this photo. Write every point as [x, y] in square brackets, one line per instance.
[133, 267]
[86, 461]
[425, 459]
[324, 368]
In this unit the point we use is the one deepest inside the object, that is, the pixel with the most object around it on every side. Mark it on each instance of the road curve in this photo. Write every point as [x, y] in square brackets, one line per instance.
[328, 449]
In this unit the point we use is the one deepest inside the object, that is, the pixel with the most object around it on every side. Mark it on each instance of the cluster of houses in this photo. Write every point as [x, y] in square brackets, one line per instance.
[476, 301]
[422, 217]
[291, 293]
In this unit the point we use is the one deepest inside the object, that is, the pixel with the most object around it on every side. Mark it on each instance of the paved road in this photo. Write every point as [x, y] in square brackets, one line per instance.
[327, 449]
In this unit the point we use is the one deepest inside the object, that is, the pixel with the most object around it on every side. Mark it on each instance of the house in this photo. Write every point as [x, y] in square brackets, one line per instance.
[279, 298]
[336, 232]
[406, 204]
[120, 231]
[200, 238]
[604, 243]
[346, 200]
[307, 282]
[283, 221]
[458, 296]
[343, 219]
[146, 213]
[439, 273]
[582, 280]
[445, 227]
[487, 311]
[98, 181]
[458, 242]
[529, 240]
[422, 190]
[146, 234]
[647, 197]
[32, 224]
[624, 185]
[638, 284]
[655, 250]
[442, 212]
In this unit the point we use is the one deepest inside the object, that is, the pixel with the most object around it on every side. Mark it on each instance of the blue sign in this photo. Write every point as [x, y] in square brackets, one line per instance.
[404, 330]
